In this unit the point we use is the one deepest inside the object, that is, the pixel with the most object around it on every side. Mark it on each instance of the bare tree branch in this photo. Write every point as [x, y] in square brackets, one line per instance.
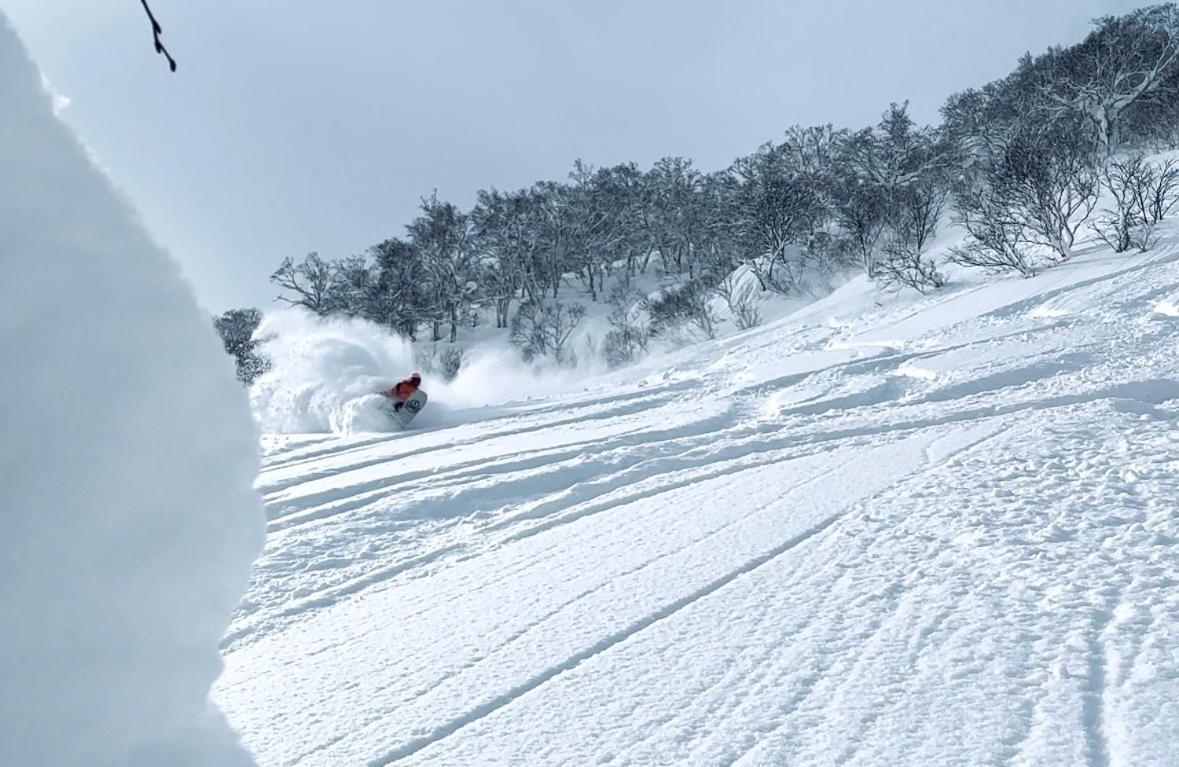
[157, 30]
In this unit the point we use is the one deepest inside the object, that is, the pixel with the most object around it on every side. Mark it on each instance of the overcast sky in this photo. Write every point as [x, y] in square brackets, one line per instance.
[304, 125]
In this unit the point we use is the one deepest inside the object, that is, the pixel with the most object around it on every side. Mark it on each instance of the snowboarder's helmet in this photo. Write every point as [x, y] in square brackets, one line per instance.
[416, 378]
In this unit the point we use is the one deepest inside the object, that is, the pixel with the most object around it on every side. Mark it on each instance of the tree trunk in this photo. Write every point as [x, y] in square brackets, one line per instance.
[757, 274]
[869, 260]
[1103, 130]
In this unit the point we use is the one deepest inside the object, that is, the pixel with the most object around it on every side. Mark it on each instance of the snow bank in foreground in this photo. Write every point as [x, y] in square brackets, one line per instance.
[127, 518]
[326, 373]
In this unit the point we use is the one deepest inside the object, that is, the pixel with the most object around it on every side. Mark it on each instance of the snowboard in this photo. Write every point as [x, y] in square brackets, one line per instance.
[411, 407]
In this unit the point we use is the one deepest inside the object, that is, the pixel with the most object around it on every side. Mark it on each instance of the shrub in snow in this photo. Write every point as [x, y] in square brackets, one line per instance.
[743, 305]
[905, 261]
[688, 306]
[628, 335]
[542, 329]
[621, 346]
[442, 362]
[1123, 179]
[450, 361]
[1034, 197]
[994, 240]
[1160, 193]
[126, 469]
[1142, 196]
[861, 211]
[740, 295]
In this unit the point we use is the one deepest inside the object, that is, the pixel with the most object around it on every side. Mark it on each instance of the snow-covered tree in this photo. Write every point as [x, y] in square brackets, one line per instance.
[601, 215]
[889, 193]
[352, 284]
[772, 211]
[1037, 195]
[1053, 186]
[917, 213]
[442, 235]
[1018, 153]
[399, 298]
[236, 328]
[309, 281]
[506, 239]
[1142, 194]
[1124, 61]
[556, 233]
[676, 222]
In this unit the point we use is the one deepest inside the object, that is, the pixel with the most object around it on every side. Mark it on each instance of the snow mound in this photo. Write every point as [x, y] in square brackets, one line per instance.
[126, 469]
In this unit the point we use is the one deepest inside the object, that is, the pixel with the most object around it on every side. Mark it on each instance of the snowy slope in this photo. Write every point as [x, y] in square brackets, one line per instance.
[883, 530]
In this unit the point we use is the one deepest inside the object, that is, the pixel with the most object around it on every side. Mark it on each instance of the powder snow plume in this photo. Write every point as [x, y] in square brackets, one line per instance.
[326, 375]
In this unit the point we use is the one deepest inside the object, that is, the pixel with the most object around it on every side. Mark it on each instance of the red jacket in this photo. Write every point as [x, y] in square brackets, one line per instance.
[403, 390]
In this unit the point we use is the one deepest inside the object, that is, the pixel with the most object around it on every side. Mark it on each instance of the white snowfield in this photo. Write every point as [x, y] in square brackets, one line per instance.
[886, 530]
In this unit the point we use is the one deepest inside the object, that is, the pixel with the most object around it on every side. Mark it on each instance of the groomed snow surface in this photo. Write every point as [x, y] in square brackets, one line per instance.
[884, 530]
[128, 520]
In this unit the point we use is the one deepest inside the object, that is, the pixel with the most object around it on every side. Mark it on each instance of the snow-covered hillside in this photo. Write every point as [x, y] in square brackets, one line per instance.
[883, 530]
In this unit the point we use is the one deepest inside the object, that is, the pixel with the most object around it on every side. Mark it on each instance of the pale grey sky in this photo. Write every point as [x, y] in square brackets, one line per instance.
[316, 125]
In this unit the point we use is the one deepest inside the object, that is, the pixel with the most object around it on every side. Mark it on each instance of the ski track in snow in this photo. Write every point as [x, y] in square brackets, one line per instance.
[939, 531]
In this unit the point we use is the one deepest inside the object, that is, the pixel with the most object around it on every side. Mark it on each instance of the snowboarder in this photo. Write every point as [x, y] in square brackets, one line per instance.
[403, 390]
